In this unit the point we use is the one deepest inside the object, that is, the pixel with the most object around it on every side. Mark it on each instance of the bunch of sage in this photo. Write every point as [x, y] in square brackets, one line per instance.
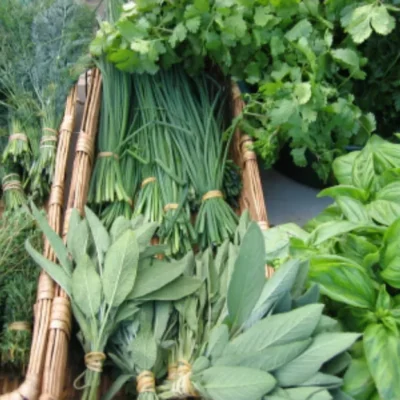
[108, 275]
[244, 337]
[139, 348]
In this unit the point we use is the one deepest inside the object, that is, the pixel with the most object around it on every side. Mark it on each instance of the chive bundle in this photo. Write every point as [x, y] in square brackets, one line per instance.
[107, 185]
[196, 116]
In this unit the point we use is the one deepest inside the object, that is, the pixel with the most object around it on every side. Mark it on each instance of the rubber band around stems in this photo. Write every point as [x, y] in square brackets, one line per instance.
[145, 382]
[105, 154]
[148, 180]
[20, 326]
[212, 194]
[171, 206]
[18, 136]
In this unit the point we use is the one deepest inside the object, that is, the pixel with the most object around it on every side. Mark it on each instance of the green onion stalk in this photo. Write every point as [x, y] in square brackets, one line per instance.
[148, 201]
[107, 184]
[197, 122]
[176, 228]
[18, 149]
[19, 291]
[13, 193]
[123, 208]
[130, 181]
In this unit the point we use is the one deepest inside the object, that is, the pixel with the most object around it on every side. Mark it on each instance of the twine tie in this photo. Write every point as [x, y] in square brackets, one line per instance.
[94, 361]
[212, 194]
[145, 382]
[147, 181]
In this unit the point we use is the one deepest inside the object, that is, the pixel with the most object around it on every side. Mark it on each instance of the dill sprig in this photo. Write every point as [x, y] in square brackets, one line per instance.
[18, 280]
[61, 35]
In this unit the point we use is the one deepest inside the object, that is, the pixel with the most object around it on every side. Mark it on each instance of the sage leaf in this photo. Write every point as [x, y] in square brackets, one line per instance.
[79, 242]
[159, 274]
[73, 223]
[324, 347]
[119, 227]
[268, 359]
[59, 275]
[86, 287]
[176, 290]
[248, 277]
[219, 338]
[126, 312]
[145, 233]
[55, 241]
[280, 283]
[382, 351]
[324, 380]
[308, 393]
[120, 269]
[100, 235]
[235, 383]
[144, 350]
[277, 329]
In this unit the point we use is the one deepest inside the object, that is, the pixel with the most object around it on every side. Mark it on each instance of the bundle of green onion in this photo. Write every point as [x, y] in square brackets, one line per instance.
[107, 185]
[196, 115]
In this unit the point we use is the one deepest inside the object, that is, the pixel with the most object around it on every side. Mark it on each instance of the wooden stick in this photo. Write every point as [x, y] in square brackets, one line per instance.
[30, 388]
[57, 349]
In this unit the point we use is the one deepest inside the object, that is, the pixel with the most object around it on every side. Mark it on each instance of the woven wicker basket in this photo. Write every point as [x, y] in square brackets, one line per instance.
[50, 375]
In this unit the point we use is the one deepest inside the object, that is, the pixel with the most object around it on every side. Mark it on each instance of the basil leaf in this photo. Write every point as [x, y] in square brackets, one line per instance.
[353, 210]
[343, 167]
[383, 211]
[382, 351]
[343, 280]
[345, 190]
[358, 381]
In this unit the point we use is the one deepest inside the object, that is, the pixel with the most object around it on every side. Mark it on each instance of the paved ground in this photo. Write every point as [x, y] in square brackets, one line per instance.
[289, 201]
